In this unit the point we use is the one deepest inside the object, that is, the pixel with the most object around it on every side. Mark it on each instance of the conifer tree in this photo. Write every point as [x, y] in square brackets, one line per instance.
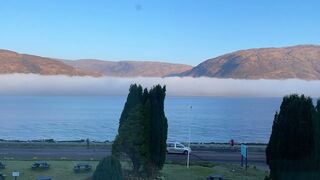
[143, 127]
[129, 140]
[159, 126]
[292, 141]
[108, 168]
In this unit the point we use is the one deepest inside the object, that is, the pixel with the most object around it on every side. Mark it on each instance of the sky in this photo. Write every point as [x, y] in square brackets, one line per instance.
[177, 31]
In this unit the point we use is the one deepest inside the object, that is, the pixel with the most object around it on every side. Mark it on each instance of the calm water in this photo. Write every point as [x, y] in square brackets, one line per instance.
[210, 119]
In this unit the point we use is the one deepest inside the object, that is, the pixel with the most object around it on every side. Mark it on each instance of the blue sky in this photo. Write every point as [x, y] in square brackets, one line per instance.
[161, 30]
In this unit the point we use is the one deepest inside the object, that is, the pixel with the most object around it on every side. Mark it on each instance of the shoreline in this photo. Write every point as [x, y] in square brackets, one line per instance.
[51, 144]
[110, 142]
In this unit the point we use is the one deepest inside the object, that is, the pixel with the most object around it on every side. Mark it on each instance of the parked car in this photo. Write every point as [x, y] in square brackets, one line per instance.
[82, 167]
[40, 165]
[176, 147]
[43, 178]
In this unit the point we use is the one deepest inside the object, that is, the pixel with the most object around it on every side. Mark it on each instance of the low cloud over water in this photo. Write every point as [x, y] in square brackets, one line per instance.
[31, 84]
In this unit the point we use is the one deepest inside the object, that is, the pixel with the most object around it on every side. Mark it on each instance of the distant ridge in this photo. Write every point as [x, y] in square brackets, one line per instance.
[301, 62]
[128, 68]
[12, 62]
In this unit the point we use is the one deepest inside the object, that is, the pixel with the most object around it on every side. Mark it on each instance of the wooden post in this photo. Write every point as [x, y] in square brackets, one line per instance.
[246, 159]
[241, 161]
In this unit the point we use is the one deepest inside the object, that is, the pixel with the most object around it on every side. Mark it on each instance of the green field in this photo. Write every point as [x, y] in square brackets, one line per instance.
[197, 172]
[59, 170]
[63, 170]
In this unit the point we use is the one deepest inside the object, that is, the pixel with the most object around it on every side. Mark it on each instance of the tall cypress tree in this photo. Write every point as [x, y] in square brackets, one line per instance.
[143, 127]
[271, 150]
[292, 143]
[318, 105]
[159, 126]
[129, 138]
[317, 137]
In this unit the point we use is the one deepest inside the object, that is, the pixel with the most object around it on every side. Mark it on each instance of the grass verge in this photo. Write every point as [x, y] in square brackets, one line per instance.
[63, 170]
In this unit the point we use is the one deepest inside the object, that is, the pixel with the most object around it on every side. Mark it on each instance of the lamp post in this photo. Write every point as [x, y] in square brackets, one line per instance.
[188, 157]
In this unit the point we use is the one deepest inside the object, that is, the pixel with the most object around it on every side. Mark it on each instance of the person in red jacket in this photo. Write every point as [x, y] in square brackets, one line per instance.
[232, 142]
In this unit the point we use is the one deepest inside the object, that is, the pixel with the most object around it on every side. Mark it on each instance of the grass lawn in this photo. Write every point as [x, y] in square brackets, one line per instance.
[63, 170]
[59, 170]
[196, 172]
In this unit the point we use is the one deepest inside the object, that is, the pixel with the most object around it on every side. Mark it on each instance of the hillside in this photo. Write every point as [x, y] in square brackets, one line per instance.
[129, 68]
[12, 62]
[302, 62]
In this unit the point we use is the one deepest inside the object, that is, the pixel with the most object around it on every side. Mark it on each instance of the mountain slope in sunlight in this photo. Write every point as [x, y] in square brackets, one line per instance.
[129, 68]
[12, 62]
[301, 62]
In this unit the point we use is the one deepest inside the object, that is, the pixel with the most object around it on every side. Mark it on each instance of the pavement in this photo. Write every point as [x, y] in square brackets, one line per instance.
[256, 156]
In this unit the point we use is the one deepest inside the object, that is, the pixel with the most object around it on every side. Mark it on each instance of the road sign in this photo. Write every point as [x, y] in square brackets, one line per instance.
[244, 150]
[244, 154]
[15, 174]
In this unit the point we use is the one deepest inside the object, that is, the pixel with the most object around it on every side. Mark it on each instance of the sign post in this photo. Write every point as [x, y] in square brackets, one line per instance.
[188, 155]
[15, 174]
[244, 155]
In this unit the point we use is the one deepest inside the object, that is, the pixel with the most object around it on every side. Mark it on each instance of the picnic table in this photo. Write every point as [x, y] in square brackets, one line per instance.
[2, 176]
[2, 166]
[43, 178]
[215, 176]
[40, 165]
[82, 167]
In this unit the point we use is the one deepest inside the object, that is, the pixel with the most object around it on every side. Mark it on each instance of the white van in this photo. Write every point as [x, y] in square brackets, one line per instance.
[176, 147]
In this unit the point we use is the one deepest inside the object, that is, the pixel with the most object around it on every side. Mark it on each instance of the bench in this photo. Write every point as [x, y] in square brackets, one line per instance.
[40, 165]
[43, 178]
[82, 167]
[215, 176]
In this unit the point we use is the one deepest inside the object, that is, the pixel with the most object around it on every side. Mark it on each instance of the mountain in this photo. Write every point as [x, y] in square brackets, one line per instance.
[12, 62]
[128, 68]
[301, 62]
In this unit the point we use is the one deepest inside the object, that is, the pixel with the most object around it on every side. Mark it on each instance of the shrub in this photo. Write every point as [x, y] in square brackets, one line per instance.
[109, 168]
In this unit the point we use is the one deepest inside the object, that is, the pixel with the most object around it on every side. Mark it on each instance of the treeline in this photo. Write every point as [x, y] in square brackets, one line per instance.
[294, 146]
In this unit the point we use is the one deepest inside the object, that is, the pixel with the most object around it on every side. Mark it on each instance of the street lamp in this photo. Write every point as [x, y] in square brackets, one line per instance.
[188, 157]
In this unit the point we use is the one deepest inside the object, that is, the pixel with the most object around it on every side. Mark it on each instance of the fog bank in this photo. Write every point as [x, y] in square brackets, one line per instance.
[31, 84]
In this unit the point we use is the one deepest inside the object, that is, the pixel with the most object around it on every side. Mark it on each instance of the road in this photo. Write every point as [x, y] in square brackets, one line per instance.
[255, 156]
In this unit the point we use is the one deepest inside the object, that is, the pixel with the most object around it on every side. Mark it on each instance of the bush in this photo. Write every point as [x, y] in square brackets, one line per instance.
[109, 168]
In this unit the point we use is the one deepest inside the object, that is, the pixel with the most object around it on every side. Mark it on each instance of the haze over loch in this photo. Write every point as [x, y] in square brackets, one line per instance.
[86, 107]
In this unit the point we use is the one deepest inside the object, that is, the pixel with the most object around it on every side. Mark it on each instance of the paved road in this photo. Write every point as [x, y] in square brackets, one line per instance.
[256, 157]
